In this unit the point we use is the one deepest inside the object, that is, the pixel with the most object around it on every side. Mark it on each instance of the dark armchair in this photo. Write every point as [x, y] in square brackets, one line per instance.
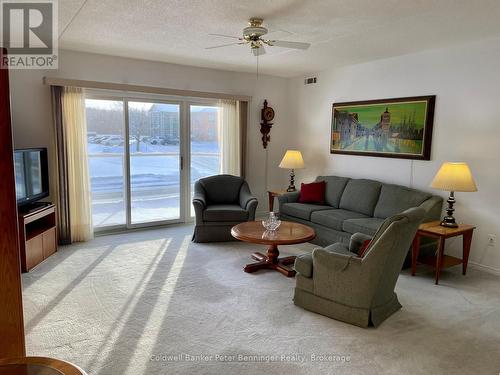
[220, 202]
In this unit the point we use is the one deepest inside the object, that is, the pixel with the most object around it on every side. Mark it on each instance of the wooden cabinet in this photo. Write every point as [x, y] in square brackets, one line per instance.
[34, 253]
[37, 235]
[49, 242]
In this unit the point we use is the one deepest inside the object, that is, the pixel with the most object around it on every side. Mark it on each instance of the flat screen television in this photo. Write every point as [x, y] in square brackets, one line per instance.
[32, 176]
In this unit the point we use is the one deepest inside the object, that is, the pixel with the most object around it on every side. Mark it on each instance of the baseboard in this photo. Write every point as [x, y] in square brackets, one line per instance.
[484, 268]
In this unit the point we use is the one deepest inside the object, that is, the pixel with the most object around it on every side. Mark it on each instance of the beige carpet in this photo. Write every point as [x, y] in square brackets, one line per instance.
[148, 302]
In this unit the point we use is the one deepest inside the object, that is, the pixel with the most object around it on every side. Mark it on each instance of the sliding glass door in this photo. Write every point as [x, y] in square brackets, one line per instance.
[134, 151]
[106, 153]
[145, 155]
[155, 161]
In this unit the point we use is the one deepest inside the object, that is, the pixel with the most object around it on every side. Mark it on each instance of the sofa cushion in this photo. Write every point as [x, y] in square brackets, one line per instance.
[225, 212]
[360, 196]
[366, 225]
[335, 186]
[301, 210]
[304, 265]
[395, 199]
[312, 193]
[222, 189]
[334, 218]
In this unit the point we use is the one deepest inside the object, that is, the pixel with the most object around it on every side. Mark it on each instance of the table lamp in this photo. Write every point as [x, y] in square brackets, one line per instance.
[453, 177]
[292, 160]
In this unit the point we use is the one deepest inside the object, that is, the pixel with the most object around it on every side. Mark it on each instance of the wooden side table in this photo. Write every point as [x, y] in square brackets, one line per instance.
[273, 194]
[440, 260]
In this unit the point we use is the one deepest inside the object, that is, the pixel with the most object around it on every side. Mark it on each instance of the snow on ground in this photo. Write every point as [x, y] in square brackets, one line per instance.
[154, 180]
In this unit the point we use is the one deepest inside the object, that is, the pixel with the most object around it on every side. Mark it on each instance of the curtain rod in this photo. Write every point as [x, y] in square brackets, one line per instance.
[54, 81]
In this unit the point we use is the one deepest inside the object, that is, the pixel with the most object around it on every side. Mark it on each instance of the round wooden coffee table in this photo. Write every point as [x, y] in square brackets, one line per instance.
[287, 234]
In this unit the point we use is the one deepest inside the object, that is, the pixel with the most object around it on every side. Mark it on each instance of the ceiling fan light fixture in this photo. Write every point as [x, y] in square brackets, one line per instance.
[253, 34]
[255, 22]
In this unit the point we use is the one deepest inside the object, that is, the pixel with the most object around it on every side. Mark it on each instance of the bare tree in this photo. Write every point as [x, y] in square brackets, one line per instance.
[140, 125]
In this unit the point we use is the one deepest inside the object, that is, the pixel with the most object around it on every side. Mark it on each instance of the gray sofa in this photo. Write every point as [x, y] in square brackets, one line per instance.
[337, 283]
[356, 205]
[220, 202]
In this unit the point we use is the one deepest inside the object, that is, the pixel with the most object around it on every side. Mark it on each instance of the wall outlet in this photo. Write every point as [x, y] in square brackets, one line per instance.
[492, 240]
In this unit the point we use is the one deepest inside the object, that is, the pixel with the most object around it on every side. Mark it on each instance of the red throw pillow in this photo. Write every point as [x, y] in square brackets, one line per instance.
[313, 192]
[363, 248]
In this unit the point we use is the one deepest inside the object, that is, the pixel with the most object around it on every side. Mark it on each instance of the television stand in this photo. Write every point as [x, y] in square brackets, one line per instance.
[37, 233]
[32, 207]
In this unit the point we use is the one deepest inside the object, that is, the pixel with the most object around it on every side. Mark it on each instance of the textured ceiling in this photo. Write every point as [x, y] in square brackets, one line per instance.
[341, 31]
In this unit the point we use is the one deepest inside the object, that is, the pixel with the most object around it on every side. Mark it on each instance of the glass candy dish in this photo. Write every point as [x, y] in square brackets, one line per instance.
[272, 222]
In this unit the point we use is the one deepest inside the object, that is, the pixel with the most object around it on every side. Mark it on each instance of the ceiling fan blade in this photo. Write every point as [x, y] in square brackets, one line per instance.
[225, 45]
[285, 44]
[273, 30]
[226, 36]
[258, 51]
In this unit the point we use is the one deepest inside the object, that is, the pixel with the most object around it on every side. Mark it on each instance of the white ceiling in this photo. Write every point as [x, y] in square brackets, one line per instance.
[341, 31]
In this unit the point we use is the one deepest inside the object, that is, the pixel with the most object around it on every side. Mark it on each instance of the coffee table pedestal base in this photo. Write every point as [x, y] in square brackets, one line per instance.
[271, 261]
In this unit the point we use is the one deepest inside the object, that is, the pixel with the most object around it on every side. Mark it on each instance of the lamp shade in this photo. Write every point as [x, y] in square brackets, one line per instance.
[454, 177]
[292, 160]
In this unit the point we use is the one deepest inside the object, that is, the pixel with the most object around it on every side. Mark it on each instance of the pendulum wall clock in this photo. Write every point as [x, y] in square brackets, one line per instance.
[267, 115]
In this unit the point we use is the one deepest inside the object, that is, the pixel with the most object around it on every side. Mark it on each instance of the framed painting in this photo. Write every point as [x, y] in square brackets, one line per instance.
[394, 128]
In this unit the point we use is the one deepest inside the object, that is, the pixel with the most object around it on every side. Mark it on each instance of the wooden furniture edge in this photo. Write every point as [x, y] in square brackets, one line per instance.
[67, 368]
[262, 241]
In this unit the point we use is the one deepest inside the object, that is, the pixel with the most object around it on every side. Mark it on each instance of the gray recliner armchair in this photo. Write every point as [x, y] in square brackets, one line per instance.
[335, 282]
[220, 202]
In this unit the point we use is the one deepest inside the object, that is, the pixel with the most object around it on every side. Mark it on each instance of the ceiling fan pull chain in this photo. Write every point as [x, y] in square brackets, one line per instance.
[257, 68]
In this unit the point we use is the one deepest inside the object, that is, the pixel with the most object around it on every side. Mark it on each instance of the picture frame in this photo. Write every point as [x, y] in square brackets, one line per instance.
[391, 128]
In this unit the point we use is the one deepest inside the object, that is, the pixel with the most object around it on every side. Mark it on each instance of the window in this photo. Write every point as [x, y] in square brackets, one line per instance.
[154, 149]
[205, 143]
[106, 152]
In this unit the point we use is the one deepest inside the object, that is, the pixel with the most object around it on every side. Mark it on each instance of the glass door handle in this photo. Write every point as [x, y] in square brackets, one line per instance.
[182, 162]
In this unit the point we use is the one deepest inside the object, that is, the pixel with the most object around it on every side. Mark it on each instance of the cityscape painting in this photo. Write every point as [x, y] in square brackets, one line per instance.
[397, 128]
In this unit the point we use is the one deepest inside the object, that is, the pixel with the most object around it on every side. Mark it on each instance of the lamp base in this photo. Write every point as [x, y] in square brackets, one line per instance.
[291, 187]
[449, 221]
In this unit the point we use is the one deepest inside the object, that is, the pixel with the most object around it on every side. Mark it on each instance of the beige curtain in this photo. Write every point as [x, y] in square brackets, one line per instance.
[243, 108]
[230, 137]
[75, 131]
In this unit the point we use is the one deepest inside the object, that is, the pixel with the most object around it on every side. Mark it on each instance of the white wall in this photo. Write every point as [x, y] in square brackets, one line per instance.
[31, 102]
[466, 81]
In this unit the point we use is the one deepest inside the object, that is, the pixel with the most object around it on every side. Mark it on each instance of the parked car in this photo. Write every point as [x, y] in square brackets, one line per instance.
[157, 141]
[91, 136]
[113, 141]
[172, 141]
[101, 139]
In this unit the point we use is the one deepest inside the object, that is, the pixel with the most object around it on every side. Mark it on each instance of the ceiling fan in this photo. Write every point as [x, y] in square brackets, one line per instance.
[253, 36]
